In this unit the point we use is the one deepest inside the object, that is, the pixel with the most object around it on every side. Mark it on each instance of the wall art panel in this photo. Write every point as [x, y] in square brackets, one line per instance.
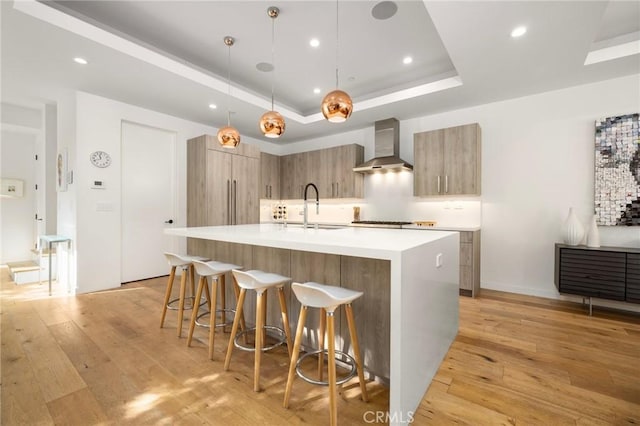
[617, 170]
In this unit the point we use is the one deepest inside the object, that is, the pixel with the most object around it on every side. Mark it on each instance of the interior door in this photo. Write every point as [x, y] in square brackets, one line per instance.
[148, 200]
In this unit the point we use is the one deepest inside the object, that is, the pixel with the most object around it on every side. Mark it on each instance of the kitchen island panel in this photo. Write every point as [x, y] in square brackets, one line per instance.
[371, 312]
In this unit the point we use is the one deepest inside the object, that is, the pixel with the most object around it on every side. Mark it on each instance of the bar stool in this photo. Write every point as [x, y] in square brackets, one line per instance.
[184, 262]
[217, 271]
[327, 298]
[259, 281]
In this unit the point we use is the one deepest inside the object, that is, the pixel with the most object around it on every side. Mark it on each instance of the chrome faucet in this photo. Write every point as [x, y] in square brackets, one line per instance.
[306, 213]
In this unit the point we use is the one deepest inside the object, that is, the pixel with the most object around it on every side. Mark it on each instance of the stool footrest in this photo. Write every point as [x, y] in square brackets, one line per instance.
[206, 325]
[186, 308]
[281, 333]
[349, 361]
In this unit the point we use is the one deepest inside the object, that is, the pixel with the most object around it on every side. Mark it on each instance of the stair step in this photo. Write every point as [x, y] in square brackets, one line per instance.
[17, 267]
[28, 271]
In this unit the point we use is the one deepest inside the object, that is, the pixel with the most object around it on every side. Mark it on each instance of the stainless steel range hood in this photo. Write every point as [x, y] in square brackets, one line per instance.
[387, 149]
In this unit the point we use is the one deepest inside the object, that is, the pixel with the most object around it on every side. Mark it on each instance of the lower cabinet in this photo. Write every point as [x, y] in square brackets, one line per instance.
[605, 272]
[469, 263]
[372, 311]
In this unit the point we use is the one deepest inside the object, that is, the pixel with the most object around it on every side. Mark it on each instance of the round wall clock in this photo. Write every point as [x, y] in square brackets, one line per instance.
[100, 159]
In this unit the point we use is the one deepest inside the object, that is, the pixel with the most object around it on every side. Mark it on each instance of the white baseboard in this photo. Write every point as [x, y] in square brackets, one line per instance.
[553, 294]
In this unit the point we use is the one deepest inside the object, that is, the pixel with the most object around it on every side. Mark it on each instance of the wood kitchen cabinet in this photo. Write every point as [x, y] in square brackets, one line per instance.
[293, 175]
[447, 161]
[343, 181]
[269, 176]
[222, 185]
[330, 169]
[469, 263]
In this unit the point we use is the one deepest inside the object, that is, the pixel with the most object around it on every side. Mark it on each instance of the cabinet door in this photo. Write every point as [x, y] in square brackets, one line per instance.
[269, 176]
[287, 173]
[428, 173]
[245, 181]
[325, 165]
[348, 184]
[461, 159]
[217, 201]
[293, 175]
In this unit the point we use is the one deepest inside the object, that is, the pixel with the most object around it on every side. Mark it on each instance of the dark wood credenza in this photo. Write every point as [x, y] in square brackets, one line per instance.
[604, 272]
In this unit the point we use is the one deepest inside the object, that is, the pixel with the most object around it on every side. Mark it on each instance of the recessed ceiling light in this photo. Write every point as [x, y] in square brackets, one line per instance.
[80, 60]
[316, 90]
[407, 60]
[314, 42]
[518, 31]
[264, 66]
[213, 106]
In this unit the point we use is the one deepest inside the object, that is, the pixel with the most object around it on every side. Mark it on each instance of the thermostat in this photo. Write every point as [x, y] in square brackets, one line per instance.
[97, 184]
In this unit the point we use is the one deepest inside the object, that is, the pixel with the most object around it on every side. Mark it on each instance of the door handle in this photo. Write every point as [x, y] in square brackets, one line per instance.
[228, 202]
[438, 184]
[235, 202]
[333, 191]
[337, 190]
[446, 184]
[168, 221]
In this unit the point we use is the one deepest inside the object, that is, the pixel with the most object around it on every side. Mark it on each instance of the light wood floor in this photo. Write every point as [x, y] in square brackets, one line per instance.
[102, 359]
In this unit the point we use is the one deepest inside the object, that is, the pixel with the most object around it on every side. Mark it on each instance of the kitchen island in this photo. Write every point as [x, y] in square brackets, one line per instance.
[409, 311]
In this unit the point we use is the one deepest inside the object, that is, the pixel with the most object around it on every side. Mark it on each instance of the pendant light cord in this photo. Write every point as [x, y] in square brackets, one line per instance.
[273, 64]
[337, 43]
[229, 86]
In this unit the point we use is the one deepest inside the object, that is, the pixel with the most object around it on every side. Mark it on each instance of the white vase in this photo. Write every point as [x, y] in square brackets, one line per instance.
[573, 229]
[593, 235]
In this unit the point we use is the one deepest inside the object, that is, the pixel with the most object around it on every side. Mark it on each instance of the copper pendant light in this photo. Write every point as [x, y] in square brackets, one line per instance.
[337, 105]
[272, 123]
[228, 136]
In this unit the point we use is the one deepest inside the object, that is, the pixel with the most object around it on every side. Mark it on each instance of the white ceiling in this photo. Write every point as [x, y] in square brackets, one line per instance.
[169, 56]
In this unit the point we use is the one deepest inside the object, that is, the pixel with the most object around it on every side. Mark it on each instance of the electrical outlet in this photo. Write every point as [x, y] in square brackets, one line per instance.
[438, 260]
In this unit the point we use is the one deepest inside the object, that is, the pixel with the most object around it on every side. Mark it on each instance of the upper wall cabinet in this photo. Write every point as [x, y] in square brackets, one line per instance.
[269, 176]
[447, 161]
[330, 169]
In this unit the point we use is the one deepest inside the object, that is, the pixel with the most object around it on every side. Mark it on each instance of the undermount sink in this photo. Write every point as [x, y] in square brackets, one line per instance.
[326, 227]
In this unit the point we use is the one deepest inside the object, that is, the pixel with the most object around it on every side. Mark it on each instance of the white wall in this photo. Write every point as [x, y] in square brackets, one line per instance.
[98, 127]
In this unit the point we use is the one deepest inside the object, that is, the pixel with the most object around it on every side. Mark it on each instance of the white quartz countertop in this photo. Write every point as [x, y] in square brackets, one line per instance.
[350, 241]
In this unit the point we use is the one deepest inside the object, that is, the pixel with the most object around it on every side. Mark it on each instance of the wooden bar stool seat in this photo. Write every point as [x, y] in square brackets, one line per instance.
[260, 282]
[328, 299]
[185, 262]
[217, 271]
